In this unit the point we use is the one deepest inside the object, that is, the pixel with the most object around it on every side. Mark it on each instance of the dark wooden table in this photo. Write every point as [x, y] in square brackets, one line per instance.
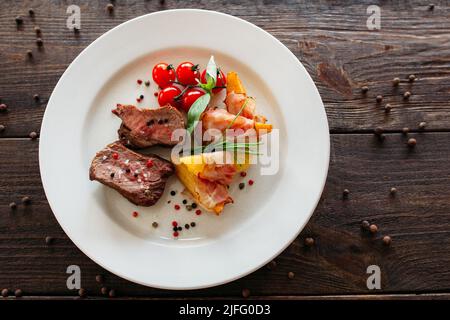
[333, 42]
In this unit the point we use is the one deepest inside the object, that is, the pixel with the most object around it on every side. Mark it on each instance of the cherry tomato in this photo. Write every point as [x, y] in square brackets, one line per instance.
[221, 80]
[187, 73]
[189, 97]
[167, 95]
[163, 74]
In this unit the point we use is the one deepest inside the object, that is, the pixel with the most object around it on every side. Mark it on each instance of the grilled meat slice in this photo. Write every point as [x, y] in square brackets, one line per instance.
[143, 128]
[141, 179]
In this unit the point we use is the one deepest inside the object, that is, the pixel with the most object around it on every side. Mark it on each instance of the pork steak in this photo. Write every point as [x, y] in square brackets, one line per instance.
[143, 128]
[141, 179]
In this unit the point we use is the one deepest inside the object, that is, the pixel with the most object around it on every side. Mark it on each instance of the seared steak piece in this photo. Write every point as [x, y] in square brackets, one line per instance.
[142, 128]
[140, 179]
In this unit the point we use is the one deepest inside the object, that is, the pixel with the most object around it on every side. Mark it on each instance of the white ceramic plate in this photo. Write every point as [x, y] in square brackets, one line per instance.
[265, 217]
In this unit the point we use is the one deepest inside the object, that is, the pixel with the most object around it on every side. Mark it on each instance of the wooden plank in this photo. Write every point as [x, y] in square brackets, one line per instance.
[331, 40]
[416, 218]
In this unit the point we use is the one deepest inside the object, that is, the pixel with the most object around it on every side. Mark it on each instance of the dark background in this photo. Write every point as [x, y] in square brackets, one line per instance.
[342, 55]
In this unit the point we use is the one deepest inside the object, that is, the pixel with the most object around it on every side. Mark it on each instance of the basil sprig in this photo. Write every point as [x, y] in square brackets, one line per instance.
[201, 103]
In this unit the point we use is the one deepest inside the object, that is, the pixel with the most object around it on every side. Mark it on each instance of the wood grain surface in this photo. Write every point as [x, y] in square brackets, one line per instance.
[341, 55]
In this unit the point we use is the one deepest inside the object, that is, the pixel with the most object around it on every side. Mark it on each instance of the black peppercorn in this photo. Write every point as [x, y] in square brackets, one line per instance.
[393, 191]
[48, 240]
[5, 293]
[39, 42]
[175, 228]
[19, 20]
[272, 265]
[112, 174]
[405, 130]
[147, 83]
[345, 193]
[309, 242]
[184, 201]
[241, 185]
[13, 205]
[186, 226]
[26, 200]
[99, 278]
[29, 54]
[36, 97]
[179, 228]
[141, 96]
[104, 291]
[373, 228]
[82, 293]
[291, 275]
[412, 142]
[31, 12]
[193, 224]
[110, 7]
[2, 128]
[387, 240]
[155, 224]
[37, 30]
[378, 131]
[112, 293]
[406, 95]
[396, 82]
[387, 108]
[411, 78]
[18, 293]
[422, 125]
[33, 135]
[194, 205]
[365, 225]
[379, 98]
[364, 89]
[431, 7]
[172, 193]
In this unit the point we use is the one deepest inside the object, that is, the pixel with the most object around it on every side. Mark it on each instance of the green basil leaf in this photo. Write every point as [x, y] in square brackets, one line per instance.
[211, 73]
[196, 111]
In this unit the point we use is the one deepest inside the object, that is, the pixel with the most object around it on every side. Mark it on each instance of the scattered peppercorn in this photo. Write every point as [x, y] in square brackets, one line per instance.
[141, 97]
[29, 54]
[18, 293]
[378, 131]
[37, 30]
[194, 205]
[186, 226]
[19, 20]
[387, 108]
[2, 128]
[393, 191]
[309, 242]
[112, 174]
[33, 135]
[411, 78]
[365, 225]
[422, 125]
[291, 275]
[193, 224]
[379, 98]
[373, 228]
[39, 42]
[245, 293]
[272, 265]
[31, 12]
[104, 291]
[345, 193]
[139, 81]
[110, 7]
[3, 107]
[396, 82]
[381, 137]
[99, 278]
[175, 229]
[189, 207]
[412, 142]
[184, 201]
[198, 212]
[364, 89]
[112, 293]
[5, 293]
[147, 83]
[406, 95]
[172, 193]
[241, 185]
[155, 224]
[387, 240]
[13, 205]
[405, 130]
[76, 30]
[431, 7]
[127, 170]
[36, 97]
[26, 200]
[179, 228]
[48, 240]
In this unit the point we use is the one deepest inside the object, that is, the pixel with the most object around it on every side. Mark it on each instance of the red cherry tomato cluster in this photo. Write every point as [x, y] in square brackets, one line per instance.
[174, 84]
